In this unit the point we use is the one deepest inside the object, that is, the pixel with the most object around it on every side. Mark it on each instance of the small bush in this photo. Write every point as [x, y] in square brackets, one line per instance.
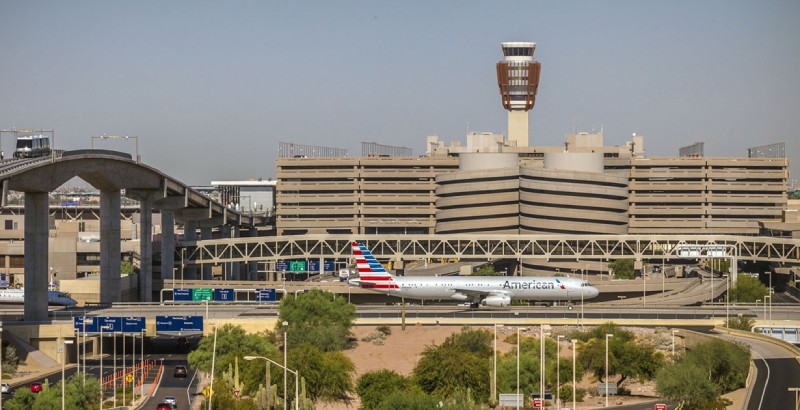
[376, 338]
[384, 329]
[740, 323]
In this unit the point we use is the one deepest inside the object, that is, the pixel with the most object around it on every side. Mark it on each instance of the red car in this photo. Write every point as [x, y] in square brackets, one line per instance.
[36, 387]
[163, 406]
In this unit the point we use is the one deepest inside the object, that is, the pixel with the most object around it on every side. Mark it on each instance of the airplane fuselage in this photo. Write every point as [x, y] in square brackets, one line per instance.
[515, 287]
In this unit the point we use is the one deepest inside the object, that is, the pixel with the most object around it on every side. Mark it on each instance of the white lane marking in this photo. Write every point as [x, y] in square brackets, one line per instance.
[766, 382]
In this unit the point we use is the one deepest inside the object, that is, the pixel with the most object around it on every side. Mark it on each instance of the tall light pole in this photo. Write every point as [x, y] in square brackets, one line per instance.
[727, 300]
[518, 367]
[102, 391]
[558, 370]
[285, 355]
[114, 375]
[141, 381]
[542, 380]
[213, 359]
[606, 380]
[133, 369]
[494, 369]
[770, 306]
[63, 360]
[574, 348]
[296, 379]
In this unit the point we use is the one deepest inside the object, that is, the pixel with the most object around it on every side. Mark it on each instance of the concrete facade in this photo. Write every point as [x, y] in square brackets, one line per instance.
[366, 195]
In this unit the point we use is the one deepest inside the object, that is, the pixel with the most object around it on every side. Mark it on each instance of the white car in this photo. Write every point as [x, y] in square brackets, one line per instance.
[171, 401]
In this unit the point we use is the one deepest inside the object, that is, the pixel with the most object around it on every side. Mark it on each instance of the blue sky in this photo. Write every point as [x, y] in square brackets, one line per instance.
[210, 88]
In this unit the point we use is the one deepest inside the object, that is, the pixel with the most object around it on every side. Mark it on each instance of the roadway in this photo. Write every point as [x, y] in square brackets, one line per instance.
[157, 349]
[778, 370]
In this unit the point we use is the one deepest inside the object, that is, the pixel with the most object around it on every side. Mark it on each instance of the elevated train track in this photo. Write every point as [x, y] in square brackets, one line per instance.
[785, 251]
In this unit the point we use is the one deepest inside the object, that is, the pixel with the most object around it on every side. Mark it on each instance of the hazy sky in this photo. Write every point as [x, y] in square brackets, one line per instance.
[210, 88]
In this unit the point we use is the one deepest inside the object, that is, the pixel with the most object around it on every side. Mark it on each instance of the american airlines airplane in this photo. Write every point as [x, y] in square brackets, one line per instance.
[476, 290]
[53, 297]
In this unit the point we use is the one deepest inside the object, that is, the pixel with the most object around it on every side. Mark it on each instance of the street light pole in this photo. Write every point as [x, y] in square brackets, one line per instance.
[494, 368]
[296, 378]
[606, 380]
[541, 362]
[574, 347]
[517, 367]
[558, 370]
[63, 361]
[141, 381]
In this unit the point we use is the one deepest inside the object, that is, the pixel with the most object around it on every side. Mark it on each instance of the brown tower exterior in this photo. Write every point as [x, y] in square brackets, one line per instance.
[518, 80]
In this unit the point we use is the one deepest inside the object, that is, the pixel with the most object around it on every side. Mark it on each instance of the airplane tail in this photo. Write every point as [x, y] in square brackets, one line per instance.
[371, 273]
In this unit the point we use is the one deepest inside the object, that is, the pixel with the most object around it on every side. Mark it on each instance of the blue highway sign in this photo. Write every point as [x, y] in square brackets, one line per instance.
[182, 295]
[265, 295]
[224, 295]
[179, 323]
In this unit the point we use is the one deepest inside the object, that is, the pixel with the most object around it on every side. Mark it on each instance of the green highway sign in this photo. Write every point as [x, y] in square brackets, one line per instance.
[199, 294]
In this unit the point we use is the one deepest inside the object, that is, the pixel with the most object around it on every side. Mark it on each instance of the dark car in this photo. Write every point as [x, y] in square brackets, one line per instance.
[36, 387]
[182, 343]
[163, 406]
[180, 371]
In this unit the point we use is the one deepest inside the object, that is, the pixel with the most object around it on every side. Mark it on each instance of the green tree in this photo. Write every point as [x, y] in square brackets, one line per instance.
[318, 318]
[626, 357]
[375, 386]
[487, 270]
[708, 370]
[223, 398]
[622, 268]
[747, 290]
[687, 384]
[740, 323]
[461, 361]
[10, 360]
[126, 268]
[78, 396]
[232, 342]
[408, 401]
[328, 374]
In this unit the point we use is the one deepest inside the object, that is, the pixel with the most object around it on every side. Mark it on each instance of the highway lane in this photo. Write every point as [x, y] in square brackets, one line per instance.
[777, 371]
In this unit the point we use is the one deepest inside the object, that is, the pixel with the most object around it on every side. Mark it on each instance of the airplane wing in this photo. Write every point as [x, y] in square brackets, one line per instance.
[478, 295]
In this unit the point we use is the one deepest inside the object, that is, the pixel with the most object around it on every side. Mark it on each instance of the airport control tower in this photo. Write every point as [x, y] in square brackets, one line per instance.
[518, 78]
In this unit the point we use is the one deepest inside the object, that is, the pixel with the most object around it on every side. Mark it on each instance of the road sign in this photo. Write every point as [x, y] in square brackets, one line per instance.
[281, 266]
[179, 324]
[327, 266]
[660, 406]
[91, 325]
[207, 391]
[129, 378]
[202, 294]
[111, 324]
[182, 295]
[224, 295]
[297, 266]
[265, 295]
[133, 324]
[539, 403]
[313, 266]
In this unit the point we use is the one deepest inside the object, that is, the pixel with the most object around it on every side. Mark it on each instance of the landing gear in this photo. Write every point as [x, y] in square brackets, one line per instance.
[474, 305]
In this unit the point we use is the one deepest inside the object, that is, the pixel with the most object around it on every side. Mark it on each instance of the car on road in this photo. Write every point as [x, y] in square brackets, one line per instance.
[163, 406]
[5, 388]
[180, 371]
[171, 400]
[36, 387]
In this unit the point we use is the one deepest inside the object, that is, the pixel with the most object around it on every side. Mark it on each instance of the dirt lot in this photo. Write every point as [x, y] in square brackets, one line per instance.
[401, 351]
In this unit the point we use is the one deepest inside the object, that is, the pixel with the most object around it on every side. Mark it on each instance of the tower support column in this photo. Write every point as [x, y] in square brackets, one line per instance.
[36, 256]
[109, 246]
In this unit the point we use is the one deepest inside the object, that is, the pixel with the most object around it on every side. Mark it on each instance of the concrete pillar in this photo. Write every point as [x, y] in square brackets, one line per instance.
[146, 249]
[167, 245]
[252, 267]
[206, 233]
[109, 246]
[227, 267]
[36, 249]
[236, 267]
[190, 234]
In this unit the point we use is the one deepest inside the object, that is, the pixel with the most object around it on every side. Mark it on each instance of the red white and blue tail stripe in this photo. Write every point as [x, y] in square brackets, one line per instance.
[371, 273]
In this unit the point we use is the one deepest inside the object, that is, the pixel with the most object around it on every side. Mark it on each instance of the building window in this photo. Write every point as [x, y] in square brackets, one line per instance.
[9, 224]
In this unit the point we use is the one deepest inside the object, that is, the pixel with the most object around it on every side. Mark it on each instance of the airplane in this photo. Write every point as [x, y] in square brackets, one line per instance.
[54, 297]
[476, 290]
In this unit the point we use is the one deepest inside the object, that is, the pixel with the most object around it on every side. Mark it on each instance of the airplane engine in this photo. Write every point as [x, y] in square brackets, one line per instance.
[497, 300]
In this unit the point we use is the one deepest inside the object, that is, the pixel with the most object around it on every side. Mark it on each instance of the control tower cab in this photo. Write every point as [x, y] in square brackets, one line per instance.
[518, 79]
